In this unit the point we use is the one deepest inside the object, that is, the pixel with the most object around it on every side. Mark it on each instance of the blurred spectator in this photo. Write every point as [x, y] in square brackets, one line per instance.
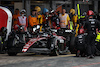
[64, 19]
[22, 20]
[15, 16]
[39, 16]
[33, 19]
[73, 19]
[46, 17]
[54, 20]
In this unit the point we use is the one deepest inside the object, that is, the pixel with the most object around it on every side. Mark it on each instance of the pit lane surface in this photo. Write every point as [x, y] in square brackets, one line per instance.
[31, 60]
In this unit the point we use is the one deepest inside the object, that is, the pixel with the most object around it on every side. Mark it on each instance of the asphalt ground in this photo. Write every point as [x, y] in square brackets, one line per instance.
[32, 60]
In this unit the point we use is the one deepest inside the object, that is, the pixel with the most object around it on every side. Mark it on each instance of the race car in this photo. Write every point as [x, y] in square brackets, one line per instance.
[46, 41]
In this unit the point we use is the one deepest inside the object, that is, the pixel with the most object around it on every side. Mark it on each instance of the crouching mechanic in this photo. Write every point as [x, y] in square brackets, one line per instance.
[90, 26]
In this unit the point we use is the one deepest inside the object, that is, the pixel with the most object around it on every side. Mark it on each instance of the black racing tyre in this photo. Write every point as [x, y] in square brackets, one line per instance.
[12, 53]
[11, 46]
[1, 48]
[11, 42]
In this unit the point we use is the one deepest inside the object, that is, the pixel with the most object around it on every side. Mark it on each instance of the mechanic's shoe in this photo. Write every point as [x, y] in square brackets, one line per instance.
[92, 56]
[2, 52]
[88, 57]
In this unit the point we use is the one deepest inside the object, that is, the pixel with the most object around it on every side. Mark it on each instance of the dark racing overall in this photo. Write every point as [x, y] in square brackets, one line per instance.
[90, 26]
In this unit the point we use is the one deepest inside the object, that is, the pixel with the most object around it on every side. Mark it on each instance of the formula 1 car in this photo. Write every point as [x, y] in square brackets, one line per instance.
[40, 42]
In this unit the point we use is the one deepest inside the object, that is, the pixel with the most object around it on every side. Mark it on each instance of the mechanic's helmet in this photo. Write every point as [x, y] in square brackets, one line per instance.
[45, 10]
[81, 31]
[4, 30]
[16, 27]
[90, 13]
[72, 11]
[23, 11]
[37, 8]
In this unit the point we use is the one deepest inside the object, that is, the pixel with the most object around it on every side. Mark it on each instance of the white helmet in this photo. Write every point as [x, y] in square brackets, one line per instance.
[23, 11]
